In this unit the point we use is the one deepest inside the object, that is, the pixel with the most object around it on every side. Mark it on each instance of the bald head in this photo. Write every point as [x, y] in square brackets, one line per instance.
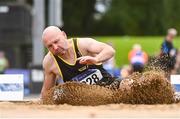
[50, 31]
[55, 40]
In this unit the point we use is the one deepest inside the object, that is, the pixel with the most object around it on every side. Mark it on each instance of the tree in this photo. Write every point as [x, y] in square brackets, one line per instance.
[78, 16]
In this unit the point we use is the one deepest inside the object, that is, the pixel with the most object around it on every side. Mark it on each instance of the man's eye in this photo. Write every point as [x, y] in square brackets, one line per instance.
[49, 46]
[55, 41]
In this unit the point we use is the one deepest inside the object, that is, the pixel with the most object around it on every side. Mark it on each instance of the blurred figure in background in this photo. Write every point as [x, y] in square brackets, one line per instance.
[137, 58]
[177, 65]
[3, 62]
[125, 71]
[109, 65]
[167, 47]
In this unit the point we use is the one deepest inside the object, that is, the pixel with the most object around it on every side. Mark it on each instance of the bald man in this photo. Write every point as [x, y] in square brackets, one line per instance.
[75, 59]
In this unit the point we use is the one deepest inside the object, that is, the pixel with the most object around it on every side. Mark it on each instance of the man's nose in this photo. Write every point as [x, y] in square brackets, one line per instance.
[55, 47]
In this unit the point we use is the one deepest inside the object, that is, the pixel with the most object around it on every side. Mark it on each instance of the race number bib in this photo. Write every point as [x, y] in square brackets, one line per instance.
[91, 76]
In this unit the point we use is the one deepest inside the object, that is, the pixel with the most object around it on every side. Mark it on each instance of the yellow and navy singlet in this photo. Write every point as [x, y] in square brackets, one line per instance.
[69, 71]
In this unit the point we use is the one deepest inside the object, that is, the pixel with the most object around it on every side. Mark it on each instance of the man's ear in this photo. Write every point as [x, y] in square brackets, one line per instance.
[64, 34]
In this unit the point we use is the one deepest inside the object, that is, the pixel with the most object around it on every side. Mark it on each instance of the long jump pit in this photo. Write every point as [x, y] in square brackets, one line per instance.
[141, 95]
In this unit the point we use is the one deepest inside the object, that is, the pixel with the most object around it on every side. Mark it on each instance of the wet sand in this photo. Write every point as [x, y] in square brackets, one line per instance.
[31, 109]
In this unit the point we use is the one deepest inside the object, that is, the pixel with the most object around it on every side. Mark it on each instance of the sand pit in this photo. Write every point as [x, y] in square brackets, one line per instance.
[101, 96]
[150, 87]
[146, 95]
[32, 109]
[78, 94]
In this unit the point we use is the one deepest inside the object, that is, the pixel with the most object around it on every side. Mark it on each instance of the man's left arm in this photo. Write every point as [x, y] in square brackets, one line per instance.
[101, 51]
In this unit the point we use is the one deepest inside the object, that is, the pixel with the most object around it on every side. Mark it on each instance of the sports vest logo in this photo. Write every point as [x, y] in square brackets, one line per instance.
[83, 68]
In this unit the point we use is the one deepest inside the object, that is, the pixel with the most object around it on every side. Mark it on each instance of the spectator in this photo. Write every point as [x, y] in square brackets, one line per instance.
[3, 62]
[137, 58]
[125, 71]
[177, 65]
[167, 47]
[109, 65]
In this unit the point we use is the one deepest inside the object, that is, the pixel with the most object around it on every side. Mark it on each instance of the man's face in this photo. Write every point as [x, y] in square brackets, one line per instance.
[170, 37]
[57, 43]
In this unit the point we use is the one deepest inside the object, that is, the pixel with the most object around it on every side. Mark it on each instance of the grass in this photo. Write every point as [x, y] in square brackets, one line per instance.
[123, 45]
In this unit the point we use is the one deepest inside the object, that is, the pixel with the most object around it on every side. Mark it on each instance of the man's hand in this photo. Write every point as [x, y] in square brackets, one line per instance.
[87, 60]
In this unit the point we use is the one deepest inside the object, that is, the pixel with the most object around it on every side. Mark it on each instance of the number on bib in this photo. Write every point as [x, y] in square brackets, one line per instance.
[92, 78]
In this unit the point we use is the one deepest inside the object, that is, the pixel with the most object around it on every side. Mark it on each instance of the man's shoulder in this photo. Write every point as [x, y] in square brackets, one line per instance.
[85, 40]
[82, 38]
[48, 55]
[48, 59]
[164, 42]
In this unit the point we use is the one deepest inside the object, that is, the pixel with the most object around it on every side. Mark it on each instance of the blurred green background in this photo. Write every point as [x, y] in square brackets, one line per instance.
[123, 22]
[123, 45]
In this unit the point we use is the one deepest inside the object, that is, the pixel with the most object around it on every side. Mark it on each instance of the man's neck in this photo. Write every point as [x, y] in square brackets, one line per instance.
[168, 39]
[70, 50]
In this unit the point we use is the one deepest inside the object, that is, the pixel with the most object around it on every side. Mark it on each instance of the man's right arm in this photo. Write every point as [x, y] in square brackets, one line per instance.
[49, 76]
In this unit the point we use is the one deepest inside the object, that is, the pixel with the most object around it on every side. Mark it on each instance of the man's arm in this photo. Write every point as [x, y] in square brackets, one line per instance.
[49, 76]
[99, 52]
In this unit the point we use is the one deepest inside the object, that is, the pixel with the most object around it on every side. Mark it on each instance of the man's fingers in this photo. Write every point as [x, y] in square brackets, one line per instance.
[82, 58]
[85, 60]
[79, 58]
